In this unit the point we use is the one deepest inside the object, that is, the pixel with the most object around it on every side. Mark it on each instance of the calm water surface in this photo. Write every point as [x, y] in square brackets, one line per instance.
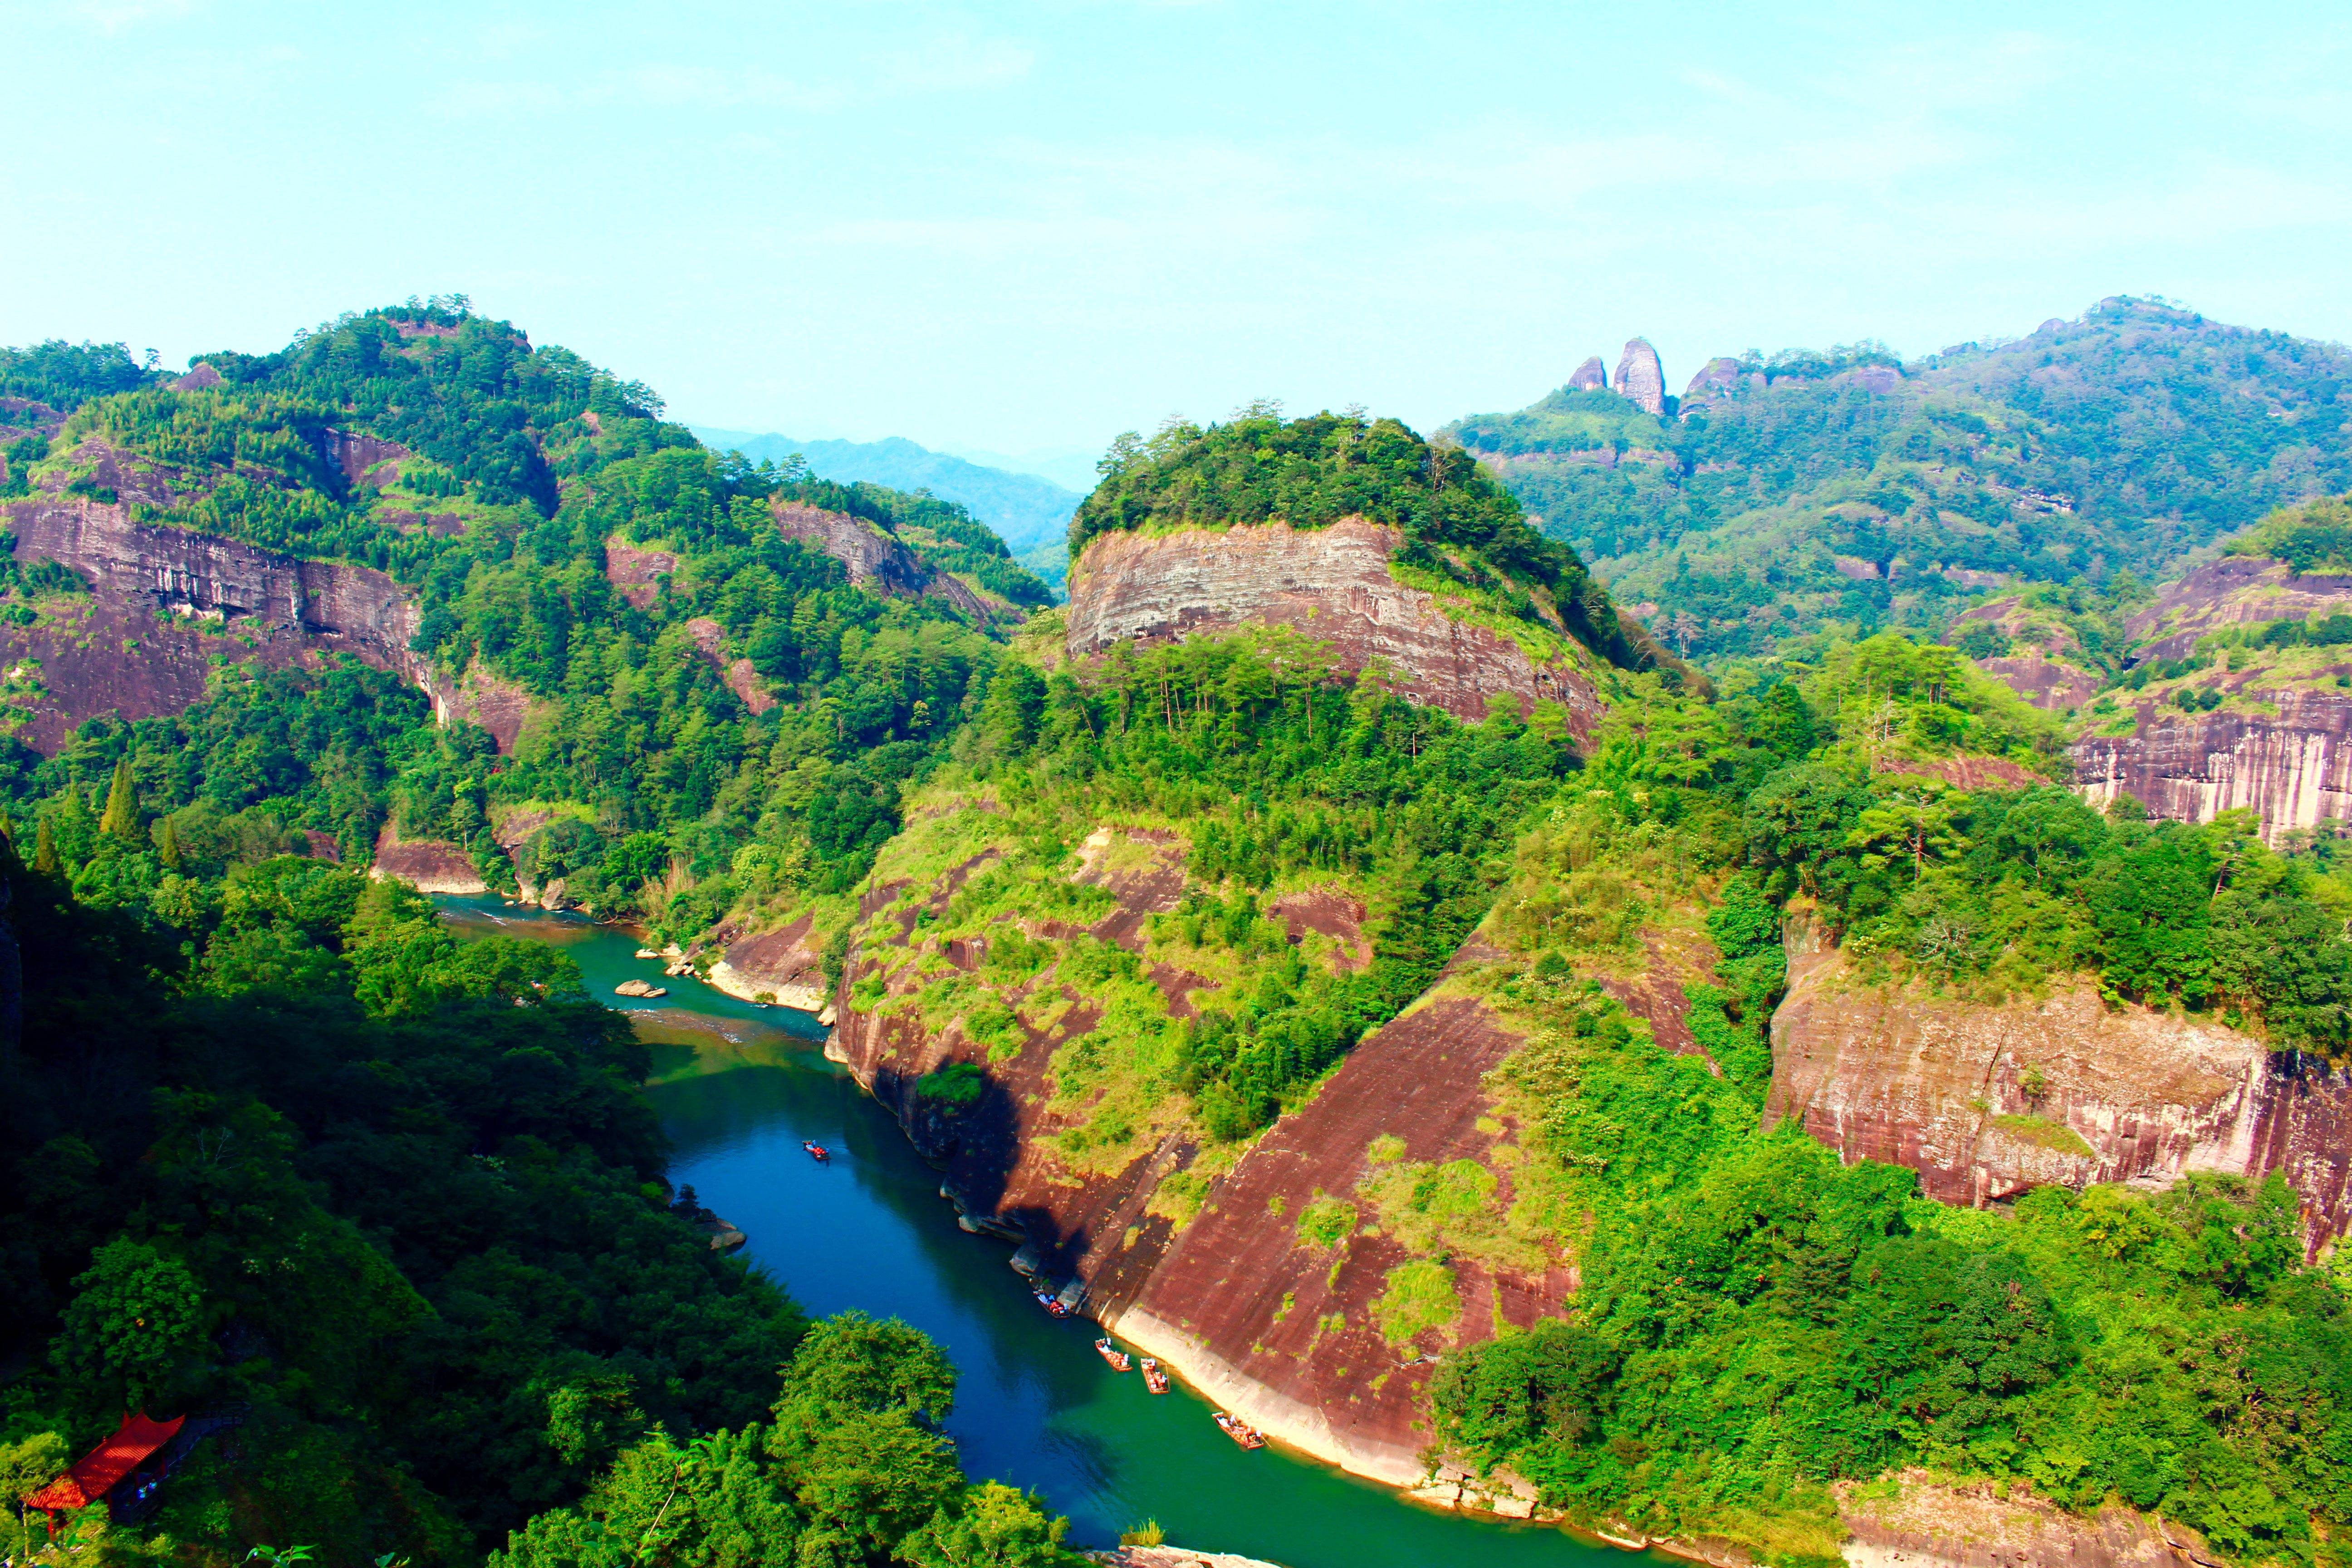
[738, 1087]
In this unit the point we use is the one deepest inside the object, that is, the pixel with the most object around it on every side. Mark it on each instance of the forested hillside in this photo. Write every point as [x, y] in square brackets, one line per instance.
[286, 1153]
[1849, 486]
[739, 713]
[385, 1213]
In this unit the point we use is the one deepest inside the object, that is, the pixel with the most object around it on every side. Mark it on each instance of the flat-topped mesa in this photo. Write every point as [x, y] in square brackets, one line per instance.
[1590, 377]
[1332, 585]
[1406, 558]
[1640, 378]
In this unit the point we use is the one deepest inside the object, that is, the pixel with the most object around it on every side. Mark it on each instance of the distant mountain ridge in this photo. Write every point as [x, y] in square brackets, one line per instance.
[1026, 510]
[1775, 495]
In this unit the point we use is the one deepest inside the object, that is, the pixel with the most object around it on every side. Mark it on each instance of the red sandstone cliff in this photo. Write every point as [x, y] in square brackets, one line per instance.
[165, 602]
[1330, 584]
[2281, 745]
[1280, 1331]
[1987, 1102]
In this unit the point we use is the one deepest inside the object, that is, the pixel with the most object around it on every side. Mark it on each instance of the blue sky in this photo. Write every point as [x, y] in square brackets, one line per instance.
[1025, 228]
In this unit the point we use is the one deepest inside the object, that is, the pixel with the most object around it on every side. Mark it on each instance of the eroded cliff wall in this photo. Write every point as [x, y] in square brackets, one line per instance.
[2286, 755]
[164, 603]
[1330, 584]
[1986, 1103]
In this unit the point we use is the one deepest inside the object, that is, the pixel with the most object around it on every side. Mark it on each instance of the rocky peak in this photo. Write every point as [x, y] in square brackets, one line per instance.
[1590, 377]
[1640, 378]
[1718, 377]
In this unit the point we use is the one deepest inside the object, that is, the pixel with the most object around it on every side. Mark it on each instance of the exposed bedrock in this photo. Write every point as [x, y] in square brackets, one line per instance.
[434, 865]
[1640, 378]
[1590, 377]
[875, 560]
[1280, 1331]
[1219, 1285]
[164, 603]
[999, 1154]
[2236, 590]
[351, 607]
[1986, 1103]
[1332, 585]
[2292, 766]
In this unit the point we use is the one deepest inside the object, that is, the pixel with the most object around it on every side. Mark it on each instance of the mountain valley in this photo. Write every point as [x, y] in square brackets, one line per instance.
[1762, 973]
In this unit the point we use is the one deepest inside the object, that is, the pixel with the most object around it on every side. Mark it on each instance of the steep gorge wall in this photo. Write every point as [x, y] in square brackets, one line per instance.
[2279, 749]
[1221, 1286]
[2291, 765]
[1329, 583]
[1986, 1103]
[166, 602]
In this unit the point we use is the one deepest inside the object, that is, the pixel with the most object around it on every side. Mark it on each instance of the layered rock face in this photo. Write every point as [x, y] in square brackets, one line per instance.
[875, 560]
[215, 598]
[2236, 590]
[2293, 767]
[1986, 1103]
[1332, 585]
[2281, 751]
[351, 607]
[1640, 378]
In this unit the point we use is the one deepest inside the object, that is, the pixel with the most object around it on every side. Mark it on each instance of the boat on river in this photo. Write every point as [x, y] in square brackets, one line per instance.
[1118, 1359]
[816, 1151]
[1154, 1377]
[1051, 1302]
[1240, 1431]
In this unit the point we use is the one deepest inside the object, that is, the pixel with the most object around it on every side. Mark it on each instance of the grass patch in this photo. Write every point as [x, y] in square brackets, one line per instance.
[958, 1084]
[1418, 1297]
[1326, 1223]
[2044, 1134]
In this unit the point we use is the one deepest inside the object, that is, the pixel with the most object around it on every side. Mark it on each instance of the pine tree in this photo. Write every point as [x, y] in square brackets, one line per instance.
[167, 846]
[122, 818]
[45, 850]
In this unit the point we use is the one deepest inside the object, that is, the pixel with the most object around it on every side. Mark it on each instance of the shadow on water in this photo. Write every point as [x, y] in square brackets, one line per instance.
[739, 1087]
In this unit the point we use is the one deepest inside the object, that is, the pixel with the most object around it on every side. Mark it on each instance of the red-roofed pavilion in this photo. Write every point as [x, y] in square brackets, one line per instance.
[104, 1465]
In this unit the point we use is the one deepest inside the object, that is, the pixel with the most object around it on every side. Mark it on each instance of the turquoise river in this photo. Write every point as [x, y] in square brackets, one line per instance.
[738, 1087]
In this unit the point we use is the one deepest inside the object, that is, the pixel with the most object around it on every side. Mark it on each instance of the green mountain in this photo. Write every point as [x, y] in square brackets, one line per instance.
[1492, 1087]
[1847, 487]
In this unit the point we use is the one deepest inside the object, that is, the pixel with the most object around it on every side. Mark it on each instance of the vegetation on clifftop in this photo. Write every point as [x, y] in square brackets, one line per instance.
[1755, 1322]
[1311, 472]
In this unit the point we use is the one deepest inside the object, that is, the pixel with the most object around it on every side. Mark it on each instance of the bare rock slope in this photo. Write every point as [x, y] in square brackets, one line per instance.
[1329, 583]
[1986, 1103]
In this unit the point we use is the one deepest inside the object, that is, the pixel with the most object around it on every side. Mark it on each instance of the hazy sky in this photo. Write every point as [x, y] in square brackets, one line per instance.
[1027, 227]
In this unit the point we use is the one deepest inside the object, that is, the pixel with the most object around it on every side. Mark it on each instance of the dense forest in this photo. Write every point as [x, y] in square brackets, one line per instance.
[1849, 486]
[286, 1154]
